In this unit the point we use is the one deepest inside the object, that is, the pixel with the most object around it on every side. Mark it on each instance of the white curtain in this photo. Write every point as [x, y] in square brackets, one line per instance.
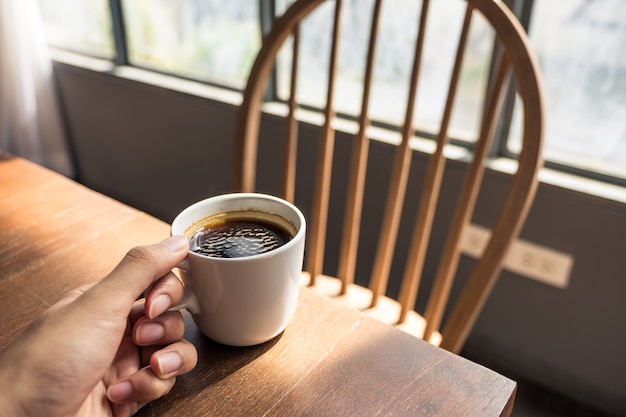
[30, 117]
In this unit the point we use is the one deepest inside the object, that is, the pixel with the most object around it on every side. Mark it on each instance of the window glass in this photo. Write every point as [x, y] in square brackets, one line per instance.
[580, 45]
[81, 26]
[398, 31]
[212, 40]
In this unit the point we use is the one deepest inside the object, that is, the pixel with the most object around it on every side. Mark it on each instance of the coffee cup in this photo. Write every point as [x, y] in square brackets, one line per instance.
[242, 272]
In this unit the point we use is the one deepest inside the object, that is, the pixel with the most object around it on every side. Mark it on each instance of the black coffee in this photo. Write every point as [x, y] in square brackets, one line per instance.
[239, 234]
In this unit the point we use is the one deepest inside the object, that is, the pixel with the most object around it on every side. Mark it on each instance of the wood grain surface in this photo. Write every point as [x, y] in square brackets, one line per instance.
[330, 361]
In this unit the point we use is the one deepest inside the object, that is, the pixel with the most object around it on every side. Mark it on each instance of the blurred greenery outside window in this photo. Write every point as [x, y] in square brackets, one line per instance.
[209, 40]
[393, 63]
[581, 48]
[579, 45]
[80, 26]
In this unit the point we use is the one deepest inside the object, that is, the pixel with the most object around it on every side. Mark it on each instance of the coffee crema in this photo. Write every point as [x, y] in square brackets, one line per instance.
[239, 234]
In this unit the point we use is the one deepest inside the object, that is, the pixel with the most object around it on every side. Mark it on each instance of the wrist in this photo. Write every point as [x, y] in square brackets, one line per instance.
[18, 382]
[10, 398]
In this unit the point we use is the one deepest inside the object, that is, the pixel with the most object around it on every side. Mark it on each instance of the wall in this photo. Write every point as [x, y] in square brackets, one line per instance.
[160, 150]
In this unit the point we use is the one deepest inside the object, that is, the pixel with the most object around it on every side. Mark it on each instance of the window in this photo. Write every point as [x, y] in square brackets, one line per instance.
[84, 26]
[398, 30]
[210, 40]
[577, 42]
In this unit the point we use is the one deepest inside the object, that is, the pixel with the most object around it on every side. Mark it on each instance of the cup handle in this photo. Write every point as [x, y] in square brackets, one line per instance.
[189, 301]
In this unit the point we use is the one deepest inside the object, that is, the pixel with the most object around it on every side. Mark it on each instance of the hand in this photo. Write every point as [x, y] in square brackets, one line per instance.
[98, 351]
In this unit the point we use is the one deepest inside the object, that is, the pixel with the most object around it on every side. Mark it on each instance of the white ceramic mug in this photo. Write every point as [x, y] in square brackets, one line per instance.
[248, 300]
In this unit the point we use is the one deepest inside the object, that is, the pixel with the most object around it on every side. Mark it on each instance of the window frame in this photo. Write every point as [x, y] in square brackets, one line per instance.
[119, 33]
[521, 8]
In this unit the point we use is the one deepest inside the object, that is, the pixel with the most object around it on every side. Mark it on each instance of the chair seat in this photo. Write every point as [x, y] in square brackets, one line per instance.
[358, 297]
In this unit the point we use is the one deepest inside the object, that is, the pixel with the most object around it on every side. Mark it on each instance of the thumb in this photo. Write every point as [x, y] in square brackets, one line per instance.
[141, 266]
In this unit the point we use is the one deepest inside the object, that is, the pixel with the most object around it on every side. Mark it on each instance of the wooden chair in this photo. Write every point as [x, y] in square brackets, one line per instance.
[512, 57]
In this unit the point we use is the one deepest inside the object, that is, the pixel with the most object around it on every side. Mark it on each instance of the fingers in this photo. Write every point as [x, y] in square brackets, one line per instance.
[166, 293]
[162, 330]
[175, 359]
[141, 388]
[157, 379]
[141, 267]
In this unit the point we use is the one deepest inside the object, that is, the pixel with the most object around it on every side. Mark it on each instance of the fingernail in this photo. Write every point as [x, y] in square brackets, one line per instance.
[120, 392]
[149, 333]
[169, 362]
[176, 243]
[159, 305]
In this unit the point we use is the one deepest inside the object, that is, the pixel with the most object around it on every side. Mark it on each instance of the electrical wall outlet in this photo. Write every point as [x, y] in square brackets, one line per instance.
[528, 259]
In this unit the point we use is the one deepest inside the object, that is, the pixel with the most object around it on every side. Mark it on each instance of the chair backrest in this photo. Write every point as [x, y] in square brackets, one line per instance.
[511, 56]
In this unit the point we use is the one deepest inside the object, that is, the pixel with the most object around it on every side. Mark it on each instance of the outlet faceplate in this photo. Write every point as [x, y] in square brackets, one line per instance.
[524, 258]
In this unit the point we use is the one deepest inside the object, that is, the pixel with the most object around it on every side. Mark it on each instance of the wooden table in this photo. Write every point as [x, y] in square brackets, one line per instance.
[331, 361]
